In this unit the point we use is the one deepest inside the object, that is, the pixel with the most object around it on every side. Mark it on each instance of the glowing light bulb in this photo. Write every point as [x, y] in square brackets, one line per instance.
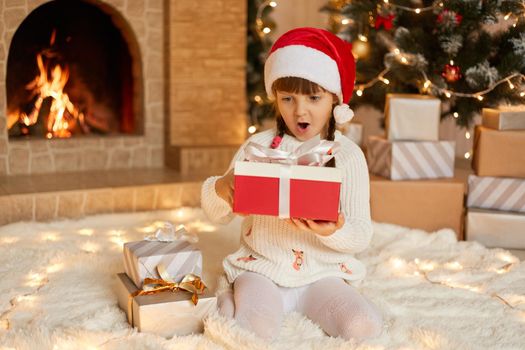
[507, 16]
[359, 92]
[510, 84]
[90, 247]
[418, 11]
[427, 84]
[9, 240]
[345, 21]
[448, 94]
[54, 268]
[257, 98]
[363, 38]
[86, 232]
[467, 135]
[50, 236]
[397, 263]
[456, 115]
[467, 155]
[453, 266]
[385, 1]
[396, 51]
[522, 93]
[273, 4]
[506, 257]
[404, 60]
[451, 62]
[252, 129]
[266, 30]
[384, 80]
[479, 97]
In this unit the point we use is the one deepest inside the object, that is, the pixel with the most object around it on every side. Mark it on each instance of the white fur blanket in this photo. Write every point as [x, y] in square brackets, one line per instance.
[57, 280]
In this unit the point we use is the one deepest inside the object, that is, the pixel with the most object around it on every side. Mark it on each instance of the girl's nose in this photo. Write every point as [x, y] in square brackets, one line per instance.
[300, 107]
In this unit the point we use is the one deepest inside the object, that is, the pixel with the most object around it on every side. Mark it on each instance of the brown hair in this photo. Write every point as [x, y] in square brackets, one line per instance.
[297, 85]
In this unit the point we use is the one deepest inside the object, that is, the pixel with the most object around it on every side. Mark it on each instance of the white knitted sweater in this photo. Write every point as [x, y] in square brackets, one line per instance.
[291, 257]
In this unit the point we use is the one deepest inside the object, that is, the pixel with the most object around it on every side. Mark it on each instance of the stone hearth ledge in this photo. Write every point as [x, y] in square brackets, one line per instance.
[46, 197]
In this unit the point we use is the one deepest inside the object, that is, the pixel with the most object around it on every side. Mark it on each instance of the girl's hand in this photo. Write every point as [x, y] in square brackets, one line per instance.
[322, 228]
[224, 187]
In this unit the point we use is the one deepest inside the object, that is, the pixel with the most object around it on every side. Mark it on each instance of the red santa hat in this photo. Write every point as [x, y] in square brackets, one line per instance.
[316, 55]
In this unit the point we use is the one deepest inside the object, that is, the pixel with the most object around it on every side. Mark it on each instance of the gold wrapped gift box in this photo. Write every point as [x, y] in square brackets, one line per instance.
[166, 313]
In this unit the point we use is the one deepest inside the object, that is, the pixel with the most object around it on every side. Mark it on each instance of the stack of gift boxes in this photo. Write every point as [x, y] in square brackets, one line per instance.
[412, 172]
[161, 291]
[496, 194]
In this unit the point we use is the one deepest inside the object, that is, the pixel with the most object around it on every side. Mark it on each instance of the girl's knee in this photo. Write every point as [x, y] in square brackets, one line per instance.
[225, 304]
[364, 326]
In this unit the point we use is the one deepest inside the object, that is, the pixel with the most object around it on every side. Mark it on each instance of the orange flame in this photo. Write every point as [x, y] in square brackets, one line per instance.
[63, 114]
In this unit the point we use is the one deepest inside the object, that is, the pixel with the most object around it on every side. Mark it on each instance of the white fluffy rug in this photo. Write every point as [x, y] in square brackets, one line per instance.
[57, 280]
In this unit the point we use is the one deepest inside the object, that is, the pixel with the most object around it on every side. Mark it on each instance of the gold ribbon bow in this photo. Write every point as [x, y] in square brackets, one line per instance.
[190, 283]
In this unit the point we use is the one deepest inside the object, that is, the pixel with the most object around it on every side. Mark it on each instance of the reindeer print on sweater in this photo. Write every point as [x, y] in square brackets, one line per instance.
[298, 262]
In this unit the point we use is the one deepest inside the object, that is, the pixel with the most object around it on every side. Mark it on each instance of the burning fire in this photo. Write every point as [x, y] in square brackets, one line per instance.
[63, 115]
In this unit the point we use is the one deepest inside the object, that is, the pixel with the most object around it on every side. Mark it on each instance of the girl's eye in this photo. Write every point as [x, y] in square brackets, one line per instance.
[315, 97]
[286, 99]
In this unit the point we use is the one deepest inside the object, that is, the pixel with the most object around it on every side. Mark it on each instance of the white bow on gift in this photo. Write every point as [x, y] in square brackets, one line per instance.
[169, 233]
[314, 152]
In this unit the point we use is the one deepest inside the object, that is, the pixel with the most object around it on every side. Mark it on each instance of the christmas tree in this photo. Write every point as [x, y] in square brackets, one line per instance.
[259, 25]
[469, 53]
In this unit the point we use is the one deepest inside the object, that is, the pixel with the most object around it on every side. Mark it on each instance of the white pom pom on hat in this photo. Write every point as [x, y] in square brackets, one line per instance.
[343, 113]
[316, 55]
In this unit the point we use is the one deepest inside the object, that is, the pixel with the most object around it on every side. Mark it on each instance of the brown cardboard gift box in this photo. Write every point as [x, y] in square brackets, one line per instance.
[166, 313]
[499, 153]
[429, 205]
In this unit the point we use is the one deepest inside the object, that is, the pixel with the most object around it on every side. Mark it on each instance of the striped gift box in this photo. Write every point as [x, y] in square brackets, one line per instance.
[141, 259]
[410, 160]
[496, 193]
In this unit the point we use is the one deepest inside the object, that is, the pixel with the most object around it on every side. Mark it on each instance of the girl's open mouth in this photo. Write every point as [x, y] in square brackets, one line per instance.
[303, 126]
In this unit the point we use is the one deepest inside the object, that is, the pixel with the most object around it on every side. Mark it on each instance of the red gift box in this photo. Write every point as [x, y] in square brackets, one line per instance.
[297, 191]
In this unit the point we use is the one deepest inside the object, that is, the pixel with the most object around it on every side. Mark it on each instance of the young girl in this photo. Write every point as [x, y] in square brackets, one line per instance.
[297, 264]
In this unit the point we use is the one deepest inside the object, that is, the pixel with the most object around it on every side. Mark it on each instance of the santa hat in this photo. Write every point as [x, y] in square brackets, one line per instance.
[318, 56]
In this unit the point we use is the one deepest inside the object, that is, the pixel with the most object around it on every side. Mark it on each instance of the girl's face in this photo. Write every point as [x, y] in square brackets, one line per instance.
[305, 115]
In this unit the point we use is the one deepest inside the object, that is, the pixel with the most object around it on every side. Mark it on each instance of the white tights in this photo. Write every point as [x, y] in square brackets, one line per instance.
[259, 305]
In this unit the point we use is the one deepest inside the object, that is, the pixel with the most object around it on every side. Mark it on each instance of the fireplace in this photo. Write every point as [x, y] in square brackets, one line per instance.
[69, 73]
[187, 79]
[84, 86]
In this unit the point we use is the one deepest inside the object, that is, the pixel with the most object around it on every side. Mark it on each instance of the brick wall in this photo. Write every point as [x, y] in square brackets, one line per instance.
[141, 22]
[206, 64]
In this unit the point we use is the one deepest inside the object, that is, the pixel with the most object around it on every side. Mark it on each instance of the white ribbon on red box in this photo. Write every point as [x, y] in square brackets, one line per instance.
[314, 152]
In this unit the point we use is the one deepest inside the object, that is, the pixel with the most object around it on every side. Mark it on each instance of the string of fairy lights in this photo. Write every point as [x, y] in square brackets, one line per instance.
[427, 86]
[36, 280]
[448, 273]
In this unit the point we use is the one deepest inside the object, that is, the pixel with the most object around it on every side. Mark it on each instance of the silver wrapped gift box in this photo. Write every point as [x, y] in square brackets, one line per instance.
[180, 258]
[412, 117]
[496, 229]
[504, 118]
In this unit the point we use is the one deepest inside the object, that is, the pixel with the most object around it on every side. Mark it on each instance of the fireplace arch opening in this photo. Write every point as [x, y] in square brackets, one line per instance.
[74, 69]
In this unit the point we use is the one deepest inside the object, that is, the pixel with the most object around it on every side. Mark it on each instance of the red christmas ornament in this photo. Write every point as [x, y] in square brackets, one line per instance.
[451, 73]
[385, 21]
[447, 14]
